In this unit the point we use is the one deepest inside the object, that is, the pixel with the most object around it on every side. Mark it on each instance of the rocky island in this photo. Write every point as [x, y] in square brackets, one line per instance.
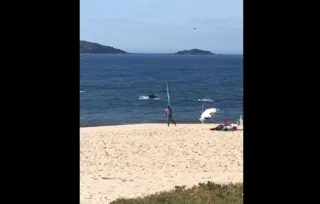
[95, 48]
[194, 52]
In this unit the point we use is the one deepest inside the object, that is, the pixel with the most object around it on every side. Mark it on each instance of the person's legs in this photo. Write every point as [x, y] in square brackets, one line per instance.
[168, 121]
[174, 122]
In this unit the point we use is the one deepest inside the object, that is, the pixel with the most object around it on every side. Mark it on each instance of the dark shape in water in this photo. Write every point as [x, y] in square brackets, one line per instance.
[152, 96]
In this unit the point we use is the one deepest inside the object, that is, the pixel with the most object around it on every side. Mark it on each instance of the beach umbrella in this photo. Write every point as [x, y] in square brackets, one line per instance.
[208, 114]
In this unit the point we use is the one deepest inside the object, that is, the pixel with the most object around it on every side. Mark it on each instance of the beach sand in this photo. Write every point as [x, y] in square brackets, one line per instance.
[137, 160]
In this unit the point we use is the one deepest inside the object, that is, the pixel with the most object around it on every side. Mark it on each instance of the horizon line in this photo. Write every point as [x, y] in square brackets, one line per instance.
[152, 52]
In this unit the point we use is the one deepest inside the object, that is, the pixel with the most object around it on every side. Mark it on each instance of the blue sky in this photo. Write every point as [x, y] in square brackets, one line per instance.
[164, 26]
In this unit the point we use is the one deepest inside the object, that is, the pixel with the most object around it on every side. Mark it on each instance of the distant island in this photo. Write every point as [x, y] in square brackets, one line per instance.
[194, 52]
[95, 48]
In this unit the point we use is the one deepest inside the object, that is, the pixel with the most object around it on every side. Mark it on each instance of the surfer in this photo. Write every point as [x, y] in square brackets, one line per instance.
[168, 111]
[152, 96]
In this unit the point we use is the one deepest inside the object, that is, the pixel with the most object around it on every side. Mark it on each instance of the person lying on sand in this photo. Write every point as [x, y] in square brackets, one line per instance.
[225, 127]
[168, 112]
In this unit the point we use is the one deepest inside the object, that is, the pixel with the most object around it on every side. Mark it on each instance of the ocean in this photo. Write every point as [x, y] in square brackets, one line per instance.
[113, 88]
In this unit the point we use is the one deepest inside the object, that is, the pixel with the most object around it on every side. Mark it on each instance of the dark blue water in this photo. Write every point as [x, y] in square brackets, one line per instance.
[112, 85]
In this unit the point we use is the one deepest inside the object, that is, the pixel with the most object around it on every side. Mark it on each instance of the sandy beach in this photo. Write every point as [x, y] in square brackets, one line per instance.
[137, 160]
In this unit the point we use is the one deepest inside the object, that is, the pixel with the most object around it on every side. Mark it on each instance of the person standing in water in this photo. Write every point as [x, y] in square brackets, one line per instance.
[168, 111]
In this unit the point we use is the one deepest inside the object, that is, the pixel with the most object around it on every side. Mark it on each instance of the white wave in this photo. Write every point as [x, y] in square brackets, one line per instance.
[205, 100]
[147, 98]
[144, 98]
[81, 91]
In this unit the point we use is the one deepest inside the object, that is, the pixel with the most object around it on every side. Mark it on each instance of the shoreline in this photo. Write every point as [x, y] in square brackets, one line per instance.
[164, 124]
[140, 159]
[139, 124]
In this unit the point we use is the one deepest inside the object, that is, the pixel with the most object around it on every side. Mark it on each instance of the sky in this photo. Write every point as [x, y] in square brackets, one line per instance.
[164, 26]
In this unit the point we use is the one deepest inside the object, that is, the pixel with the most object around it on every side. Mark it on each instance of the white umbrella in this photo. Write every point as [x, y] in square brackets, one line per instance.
[208, 114]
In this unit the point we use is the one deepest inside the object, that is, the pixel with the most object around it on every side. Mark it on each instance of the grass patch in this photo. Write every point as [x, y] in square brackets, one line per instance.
[204, 193]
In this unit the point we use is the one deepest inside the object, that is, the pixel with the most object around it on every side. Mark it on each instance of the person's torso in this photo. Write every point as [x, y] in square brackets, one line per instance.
[168, 112]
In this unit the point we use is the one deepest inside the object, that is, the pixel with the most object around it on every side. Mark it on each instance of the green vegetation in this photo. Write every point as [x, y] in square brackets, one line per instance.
[194, 52]
[95, 48]
[204, 193]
